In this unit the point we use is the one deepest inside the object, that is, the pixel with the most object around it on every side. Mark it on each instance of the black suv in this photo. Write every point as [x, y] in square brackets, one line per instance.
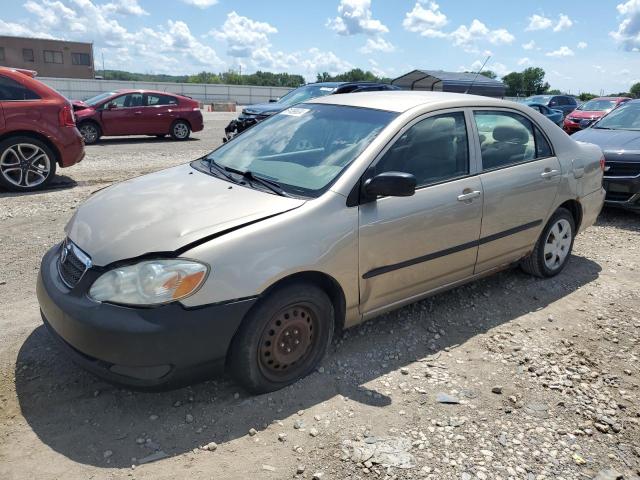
[256, 113]
[565, 103]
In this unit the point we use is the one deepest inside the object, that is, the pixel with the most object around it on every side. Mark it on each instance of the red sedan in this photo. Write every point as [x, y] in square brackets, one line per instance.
[590, 111]
[137, 112]
[37, 132]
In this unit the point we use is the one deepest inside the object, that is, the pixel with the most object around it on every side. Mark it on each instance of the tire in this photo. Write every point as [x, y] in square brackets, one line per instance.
[180, 130]
[282, 339]
[26, 164]
[90, 132]
[553, 248]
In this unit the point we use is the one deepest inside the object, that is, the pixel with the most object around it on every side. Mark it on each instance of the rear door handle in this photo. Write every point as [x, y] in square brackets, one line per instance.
[470, 195]
[550, 173]
[137, 113]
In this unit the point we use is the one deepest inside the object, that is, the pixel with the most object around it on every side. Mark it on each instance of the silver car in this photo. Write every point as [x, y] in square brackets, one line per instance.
[327, 214]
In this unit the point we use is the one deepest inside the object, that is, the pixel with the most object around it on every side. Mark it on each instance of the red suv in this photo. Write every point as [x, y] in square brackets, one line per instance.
[37, 131]
[137, 112]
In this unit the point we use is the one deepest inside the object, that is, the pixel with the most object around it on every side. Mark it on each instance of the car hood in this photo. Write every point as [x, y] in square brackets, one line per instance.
[610, 140]
[263, 109]
[79, 105]
[587, 114]
[165, 211]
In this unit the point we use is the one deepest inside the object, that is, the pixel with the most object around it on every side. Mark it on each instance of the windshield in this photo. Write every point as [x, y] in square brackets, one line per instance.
[539, 99]
[304, 148]
[626, 117]
[597, 105]
[98, 98]
[302, 94]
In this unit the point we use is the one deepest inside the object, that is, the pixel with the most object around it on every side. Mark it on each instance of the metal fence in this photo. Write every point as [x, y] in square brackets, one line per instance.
[81, 89]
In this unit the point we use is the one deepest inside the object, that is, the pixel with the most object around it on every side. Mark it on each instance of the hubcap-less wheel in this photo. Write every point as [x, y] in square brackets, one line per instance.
[287, 341]
[180, 130]
[557, 244]
[89, 133]
[25, 165]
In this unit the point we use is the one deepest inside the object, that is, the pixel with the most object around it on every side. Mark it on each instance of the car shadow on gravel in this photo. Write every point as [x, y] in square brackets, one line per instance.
[619, 218]
[59, 182]
[105, 142]
[92, 422]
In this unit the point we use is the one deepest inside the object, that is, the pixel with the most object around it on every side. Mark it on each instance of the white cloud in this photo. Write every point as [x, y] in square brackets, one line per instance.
[467, 37]
[564, 23]
[563, 51]
[125, 7]
[628, 33]
[529, 45]
[201, 3]
[524, 61]
[376, 70]
[538, 22]
[377, 44]
[354, 17]
[427, 22]
[243, 35]
[498, 68]
[582, 45]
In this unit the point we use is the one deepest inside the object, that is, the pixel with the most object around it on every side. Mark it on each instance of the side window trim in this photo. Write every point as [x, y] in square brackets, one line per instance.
[534, 124]
[414, 121]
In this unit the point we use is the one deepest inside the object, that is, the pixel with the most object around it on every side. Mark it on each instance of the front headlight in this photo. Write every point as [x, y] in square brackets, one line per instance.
[151, 282]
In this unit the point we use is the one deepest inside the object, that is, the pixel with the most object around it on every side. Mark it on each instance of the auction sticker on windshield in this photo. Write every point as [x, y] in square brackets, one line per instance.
[295, 112]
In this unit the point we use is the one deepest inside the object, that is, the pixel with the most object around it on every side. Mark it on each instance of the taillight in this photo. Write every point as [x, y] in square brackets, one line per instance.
[66, 117]
[602, 163]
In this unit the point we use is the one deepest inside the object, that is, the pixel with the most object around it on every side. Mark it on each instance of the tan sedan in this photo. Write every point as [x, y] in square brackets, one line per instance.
[326, 214]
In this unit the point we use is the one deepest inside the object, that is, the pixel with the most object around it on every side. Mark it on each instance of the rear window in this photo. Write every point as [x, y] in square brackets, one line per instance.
[12, 90]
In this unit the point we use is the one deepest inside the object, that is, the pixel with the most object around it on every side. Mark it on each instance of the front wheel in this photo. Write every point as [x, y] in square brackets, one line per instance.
[26, 164]
[553, 248]
[180, 130]
[90, 132]
[283, 338]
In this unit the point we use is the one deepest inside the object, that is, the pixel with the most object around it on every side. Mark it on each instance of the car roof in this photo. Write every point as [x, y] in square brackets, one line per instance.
[608, 98]
[403, 100]
[142, 90]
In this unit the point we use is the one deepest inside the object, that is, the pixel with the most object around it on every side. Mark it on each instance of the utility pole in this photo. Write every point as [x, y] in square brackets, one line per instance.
[102, 54]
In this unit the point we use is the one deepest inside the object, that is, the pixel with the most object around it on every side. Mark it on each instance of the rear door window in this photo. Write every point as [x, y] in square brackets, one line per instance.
[153, 100]
[11, 90]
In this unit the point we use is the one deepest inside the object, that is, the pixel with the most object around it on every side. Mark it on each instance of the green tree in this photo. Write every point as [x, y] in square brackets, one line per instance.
[354, 75]
[635, 89]
[513, 82]
[489, 74]
[533, 81]
[586, 96]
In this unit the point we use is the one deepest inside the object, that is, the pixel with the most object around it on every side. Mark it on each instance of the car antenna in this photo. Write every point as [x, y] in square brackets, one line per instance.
[477, 73]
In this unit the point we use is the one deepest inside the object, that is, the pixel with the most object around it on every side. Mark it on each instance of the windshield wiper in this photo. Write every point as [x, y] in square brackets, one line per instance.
[272, 185]
[220, 169]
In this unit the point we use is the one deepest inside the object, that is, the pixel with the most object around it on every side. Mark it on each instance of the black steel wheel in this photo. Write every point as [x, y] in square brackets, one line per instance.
[282, 339]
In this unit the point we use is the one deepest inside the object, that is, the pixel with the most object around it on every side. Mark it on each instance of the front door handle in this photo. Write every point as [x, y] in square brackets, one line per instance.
[550, 173]
[468, 195]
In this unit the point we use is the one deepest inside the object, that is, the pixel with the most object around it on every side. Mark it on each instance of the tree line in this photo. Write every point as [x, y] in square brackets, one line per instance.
[530, 81]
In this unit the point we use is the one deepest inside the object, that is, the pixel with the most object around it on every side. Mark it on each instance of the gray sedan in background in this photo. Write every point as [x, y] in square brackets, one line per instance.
[322, 216]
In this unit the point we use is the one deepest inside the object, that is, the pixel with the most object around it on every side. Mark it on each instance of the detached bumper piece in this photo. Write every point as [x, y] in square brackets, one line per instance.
[138, 347]
[238, 126]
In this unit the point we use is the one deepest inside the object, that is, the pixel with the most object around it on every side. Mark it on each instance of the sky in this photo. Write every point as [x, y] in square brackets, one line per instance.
[591, 45]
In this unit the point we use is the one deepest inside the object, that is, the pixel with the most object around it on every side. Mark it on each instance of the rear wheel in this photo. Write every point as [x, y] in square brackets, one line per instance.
[282, 339]
[26, 164]
[90, 132]
[180, 130]
[553, 248]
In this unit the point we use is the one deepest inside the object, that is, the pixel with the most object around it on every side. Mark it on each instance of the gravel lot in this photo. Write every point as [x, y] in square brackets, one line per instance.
[509, 377]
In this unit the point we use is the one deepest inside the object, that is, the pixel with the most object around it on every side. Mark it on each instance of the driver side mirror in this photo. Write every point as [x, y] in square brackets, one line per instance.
[390, 184]
[273, 100]
[111, 106]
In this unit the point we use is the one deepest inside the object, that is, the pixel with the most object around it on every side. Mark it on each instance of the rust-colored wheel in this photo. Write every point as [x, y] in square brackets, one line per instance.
[283, 338]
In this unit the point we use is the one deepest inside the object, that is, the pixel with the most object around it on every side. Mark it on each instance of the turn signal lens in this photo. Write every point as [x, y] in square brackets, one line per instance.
[151, 282]
[602, 163]
[66, 117]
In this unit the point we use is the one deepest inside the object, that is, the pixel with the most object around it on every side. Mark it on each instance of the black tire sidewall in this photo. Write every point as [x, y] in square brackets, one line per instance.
[561, 213]
[6, 143]
[243, 361]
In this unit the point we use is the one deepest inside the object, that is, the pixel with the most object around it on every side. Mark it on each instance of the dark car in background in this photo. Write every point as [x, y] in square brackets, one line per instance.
[256, 113]
[554, 115]
[565, 103]
[137, 112]
[590, 111]
[37, 132]
[618, 134]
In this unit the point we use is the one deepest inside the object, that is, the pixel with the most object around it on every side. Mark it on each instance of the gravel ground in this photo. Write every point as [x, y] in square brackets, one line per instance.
[510, 377]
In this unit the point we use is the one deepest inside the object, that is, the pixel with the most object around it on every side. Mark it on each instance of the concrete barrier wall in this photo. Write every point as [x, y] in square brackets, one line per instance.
[81, 89]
